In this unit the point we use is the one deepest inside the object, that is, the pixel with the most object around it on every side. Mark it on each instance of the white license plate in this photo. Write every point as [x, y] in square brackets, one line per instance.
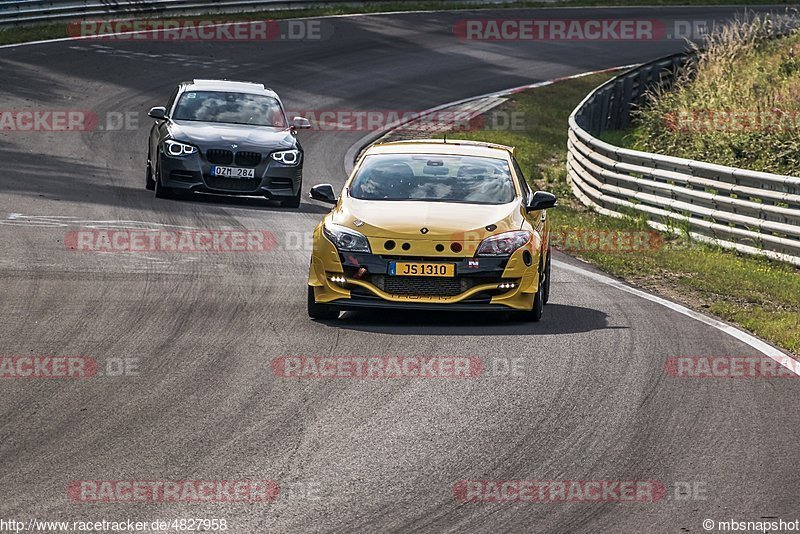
[233, 172]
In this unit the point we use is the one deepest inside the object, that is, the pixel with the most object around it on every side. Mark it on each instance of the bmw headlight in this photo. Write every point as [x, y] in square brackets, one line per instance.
[287, 157]
[345, 239]
[503, 244]
[177, 149]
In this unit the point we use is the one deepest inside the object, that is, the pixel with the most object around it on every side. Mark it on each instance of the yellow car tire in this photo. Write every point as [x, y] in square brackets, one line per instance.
[324, 312]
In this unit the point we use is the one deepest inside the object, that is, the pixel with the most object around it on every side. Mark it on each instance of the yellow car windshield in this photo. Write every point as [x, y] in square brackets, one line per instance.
[434, 178]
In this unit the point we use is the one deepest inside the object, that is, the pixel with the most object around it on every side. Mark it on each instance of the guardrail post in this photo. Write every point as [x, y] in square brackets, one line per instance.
[627, 89]
[603, 123]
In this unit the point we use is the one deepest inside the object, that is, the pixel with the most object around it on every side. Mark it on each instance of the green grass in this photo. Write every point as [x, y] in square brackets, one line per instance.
[59, 30]
[617, 137]
[761, 295]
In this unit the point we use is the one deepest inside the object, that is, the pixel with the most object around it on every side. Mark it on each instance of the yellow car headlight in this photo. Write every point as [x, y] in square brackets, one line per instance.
[345, 239]
[503, 244]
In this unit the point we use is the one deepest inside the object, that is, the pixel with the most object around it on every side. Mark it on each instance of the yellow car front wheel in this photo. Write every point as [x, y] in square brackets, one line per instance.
[535, 314]
[320, 311]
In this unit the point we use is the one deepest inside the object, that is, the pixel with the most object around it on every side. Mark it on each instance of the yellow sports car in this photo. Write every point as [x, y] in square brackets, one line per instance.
[432, 225]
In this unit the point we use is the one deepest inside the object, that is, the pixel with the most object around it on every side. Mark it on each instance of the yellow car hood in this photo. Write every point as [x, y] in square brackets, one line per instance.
[443, 219]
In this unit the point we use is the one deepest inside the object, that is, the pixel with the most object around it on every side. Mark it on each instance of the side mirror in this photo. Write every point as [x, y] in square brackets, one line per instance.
[158, 113]
[541, 201]
[301, 123]
[323, 193]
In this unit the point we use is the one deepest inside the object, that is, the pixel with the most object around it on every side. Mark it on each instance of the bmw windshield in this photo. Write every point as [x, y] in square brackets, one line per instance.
[229, 108]
[434, 178]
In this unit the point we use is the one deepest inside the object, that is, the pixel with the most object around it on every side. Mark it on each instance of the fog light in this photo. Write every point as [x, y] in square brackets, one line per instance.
[507, 285]
[336, 279]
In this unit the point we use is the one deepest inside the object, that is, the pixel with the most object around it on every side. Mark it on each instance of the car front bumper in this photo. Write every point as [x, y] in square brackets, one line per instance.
[193, 173]
[352, 281]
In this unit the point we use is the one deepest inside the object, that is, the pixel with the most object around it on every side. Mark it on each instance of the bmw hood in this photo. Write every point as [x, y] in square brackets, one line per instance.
[218, 135]
[419, 219]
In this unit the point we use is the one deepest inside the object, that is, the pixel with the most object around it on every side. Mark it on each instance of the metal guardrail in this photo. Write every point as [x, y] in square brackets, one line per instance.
[750, 211]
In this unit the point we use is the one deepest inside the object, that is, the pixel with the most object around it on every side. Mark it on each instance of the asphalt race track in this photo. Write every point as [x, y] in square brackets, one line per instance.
[590, 399]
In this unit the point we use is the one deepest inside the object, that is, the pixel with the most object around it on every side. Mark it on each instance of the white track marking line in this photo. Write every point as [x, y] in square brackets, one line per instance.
[63, 221]
[761, 346]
